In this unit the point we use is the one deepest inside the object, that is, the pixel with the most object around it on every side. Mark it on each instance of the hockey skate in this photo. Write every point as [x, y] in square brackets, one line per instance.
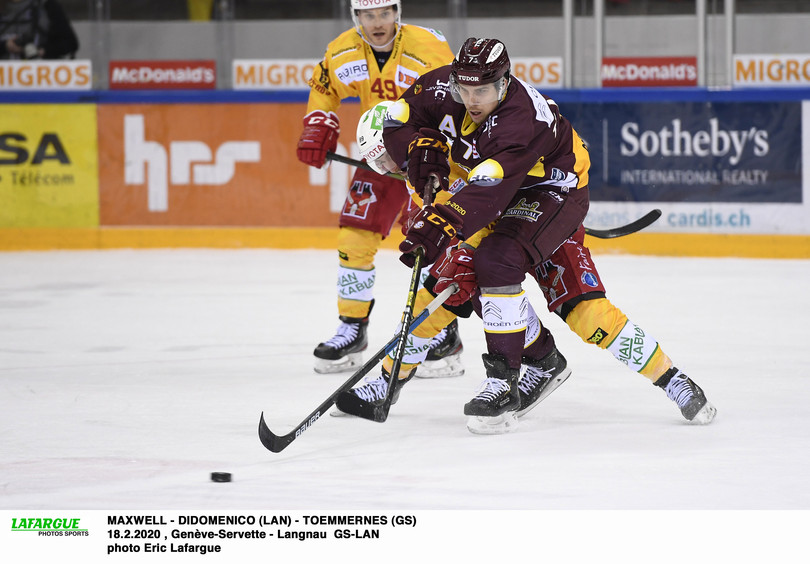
[444, 357]
[343, 352]
[493, 410]
[365, 401]
[540, 378]
[688, 396]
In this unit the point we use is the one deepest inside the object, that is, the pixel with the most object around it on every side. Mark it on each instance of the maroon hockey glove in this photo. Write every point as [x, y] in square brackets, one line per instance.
[433, 229]
[320, 136]
[427, 154]
[457, 267]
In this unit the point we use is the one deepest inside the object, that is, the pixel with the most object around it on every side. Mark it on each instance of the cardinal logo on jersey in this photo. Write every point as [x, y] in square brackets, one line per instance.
[524, 210]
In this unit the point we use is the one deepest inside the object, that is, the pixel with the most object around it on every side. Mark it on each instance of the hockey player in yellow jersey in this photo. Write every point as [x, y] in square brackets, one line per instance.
[376, 60]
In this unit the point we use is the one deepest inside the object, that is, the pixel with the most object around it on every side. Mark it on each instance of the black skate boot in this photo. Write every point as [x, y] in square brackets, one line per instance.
[444, 357]
[493, 410]
[342, 353]
[688, 396]
[540, 379]
[366, 401]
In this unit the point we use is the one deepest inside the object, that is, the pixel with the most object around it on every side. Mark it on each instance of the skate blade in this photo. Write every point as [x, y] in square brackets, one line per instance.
[705, 415]
[348, 363]
[555, 383]
[498, 425]
[449, 367]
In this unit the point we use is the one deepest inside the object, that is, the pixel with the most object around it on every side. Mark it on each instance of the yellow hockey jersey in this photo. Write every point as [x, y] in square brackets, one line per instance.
[349, 68]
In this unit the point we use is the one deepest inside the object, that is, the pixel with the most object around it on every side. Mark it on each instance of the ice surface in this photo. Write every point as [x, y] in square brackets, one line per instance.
[129, 376]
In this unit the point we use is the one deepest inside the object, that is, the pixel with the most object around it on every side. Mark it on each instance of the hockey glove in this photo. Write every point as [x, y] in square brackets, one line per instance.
[457, 267]
[410, 216]
[427, 154]
[433, 229]
[320, 136]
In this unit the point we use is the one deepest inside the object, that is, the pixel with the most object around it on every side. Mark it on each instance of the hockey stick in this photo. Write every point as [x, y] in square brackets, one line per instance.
[277, 443]
[359, 164]
[354, 405]
[381, 411]
[644, 221]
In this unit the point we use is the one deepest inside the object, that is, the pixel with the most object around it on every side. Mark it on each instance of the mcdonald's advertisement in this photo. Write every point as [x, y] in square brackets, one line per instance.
[214, 165]
[48, 166]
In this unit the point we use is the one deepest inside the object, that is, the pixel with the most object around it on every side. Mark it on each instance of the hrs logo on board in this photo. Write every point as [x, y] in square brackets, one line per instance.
[181, 162]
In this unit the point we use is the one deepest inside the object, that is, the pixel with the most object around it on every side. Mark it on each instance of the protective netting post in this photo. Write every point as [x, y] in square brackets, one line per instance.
[99, 11]
[226, 51]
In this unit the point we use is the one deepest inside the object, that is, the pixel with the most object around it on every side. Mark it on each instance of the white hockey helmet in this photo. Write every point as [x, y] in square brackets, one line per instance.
[370, 5]
[370, 137]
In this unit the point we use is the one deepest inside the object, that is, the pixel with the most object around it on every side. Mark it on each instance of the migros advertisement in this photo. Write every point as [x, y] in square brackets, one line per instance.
[294, 74]
[46, 75]
[772, 70]
[214, 165]
[48, 166]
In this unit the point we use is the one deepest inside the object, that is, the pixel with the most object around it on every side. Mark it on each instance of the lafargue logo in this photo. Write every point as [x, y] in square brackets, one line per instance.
[673, 140]
[49, 527]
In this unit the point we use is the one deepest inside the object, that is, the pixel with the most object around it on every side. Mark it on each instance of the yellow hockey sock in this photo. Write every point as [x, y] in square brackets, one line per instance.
[356, 251]
[601, 323]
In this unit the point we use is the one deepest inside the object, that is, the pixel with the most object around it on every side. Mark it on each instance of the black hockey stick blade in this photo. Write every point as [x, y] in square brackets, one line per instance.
[644, 221]
[357, 406]
[277, 443]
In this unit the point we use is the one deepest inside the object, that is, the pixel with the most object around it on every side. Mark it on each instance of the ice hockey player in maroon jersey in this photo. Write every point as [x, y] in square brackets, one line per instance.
[524, 168]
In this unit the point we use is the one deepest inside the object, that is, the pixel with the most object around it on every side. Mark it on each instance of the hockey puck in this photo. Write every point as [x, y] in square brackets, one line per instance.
[220, 476]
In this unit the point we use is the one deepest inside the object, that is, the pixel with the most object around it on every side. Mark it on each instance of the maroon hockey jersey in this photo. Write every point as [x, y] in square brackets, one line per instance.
[525, 143]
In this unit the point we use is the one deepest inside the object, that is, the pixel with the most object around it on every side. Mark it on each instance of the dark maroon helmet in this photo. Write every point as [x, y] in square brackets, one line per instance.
[480, 61]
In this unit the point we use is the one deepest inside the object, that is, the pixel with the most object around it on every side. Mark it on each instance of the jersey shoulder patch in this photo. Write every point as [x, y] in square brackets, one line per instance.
[542, 111]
